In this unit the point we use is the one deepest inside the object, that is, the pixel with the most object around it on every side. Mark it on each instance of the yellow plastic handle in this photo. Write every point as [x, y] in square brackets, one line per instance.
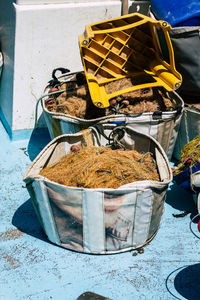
[126, 47]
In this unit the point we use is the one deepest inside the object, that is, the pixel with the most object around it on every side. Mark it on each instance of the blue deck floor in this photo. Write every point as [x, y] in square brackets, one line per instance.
[33, 268]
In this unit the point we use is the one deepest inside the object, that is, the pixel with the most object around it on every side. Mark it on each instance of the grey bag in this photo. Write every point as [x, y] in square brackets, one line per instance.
[186, 44]
[188, 130]
[99, 220]
[163, 126]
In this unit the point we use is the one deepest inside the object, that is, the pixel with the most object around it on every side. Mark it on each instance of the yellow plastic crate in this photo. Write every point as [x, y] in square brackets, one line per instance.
[126, 47]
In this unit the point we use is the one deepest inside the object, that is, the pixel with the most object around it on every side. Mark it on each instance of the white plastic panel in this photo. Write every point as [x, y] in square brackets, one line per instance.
[46, 37]
[36, 38]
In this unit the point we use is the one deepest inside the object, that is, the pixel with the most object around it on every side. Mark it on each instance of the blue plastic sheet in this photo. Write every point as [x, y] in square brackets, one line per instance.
[177, 13]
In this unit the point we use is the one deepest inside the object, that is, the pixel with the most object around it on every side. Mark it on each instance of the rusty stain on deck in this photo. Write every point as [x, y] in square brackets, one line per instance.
[11, 234]
[13, 262]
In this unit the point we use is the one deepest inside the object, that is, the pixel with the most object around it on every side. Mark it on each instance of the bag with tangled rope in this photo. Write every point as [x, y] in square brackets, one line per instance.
[68, 108]
[94, 202]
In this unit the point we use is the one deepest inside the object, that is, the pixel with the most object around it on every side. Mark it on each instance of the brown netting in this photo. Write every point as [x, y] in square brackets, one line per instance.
[102, 167]
[77, 101]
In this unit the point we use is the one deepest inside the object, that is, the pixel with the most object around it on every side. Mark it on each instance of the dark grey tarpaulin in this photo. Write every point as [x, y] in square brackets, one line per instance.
[186, 44]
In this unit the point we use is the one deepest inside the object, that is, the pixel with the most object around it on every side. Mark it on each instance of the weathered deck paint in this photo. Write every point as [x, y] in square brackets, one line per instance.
[33, 268]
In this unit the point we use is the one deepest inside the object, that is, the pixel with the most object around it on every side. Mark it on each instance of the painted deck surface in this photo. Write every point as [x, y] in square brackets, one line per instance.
[33, 268]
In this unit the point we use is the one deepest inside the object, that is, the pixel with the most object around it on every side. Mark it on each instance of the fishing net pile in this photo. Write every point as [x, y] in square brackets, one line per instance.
[190, 155]
[102, 167]
[77, 102]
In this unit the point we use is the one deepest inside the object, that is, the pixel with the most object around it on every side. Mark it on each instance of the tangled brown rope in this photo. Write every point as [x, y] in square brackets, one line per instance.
[102, 167]
[79, 104]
